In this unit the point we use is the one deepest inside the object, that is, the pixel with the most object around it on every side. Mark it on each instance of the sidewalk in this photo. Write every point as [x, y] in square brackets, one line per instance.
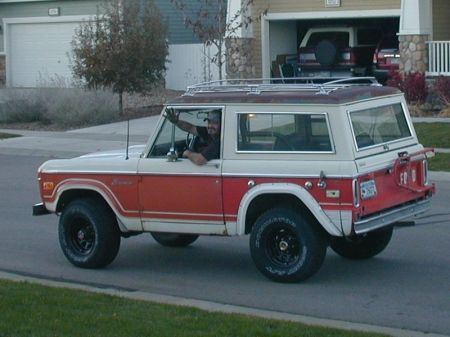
[106, 137]
[73, 143]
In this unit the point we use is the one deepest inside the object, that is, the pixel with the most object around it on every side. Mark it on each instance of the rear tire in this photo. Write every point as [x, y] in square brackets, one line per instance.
[363, 246]
[285, 247]
[174, 239]
[88, 233]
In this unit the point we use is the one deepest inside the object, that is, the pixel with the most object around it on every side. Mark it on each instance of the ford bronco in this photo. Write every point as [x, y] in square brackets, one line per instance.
[302, 167]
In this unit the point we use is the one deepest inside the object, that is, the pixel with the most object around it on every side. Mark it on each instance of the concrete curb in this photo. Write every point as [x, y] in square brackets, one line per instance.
[220, 307]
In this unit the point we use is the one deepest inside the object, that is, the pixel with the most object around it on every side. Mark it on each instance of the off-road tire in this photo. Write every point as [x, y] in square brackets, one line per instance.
[286, 246]
[174, 239]
[364, 246]
[88, 233]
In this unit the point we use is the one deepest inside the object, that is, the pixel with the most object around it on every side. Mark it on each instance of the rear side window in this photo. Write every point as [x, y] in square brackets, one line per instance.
[367, 36]
[269, 132]
[379, 125]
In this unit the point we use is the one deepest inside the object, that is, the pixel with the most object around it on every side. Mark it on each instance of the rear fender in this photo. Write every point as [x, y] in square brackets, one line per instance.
[286, 188]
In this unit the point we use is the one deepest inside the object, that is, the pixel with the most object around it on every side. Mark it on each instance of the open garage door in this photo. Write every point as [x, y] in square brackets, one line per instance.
[283, 32]
[38, 53]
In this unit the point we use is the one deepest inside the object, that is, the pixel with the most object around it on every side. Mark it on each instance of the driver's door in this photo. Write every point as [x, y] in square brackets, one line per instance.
[179, 196]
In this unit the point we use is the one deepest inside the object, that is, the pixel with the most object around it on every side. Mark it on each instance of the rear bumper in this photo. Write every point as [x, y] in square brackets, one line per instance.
[39, 209]
[389, 217]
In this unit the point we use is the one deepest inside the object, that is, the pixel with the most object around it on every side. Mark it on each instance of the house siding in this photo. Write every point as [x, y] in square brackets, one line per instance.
[441, 25]
[178, 33]
[295, 6]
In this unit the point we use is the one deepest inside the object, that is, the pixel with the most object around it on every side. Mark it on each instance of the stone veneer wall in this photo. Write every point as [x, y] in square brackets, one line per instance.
[2, 70]
[240, 58]
[413, 53]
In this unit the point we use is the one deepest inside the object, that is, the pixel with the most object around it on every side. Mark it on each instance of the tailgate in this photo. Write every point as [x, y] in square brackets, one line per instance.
[401, 182]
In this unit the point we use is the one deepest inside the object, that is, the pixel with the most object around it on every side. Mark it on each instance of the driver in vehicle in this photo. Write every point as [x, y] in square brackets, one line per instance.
[209, 134]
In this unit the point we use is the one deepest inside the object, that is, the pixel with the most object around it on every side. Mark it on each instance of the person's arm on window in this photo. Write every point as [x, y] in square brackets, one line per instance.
[196, 158]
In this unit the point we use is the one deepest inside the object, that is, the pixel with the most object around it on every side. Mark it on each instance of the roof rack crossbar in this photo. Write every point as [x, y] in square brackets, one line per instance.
[321, 85]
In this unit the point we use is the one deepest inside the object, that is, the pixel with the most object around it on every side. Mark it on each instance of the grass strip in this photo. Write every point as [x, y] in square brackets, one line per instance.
[433, 134]
[33, 310]
[440, 162]
[7, 135]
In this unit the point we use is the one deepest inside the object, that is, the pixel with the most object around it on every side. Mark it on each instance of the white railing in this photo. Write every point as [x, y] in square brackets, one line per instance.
[438, 58]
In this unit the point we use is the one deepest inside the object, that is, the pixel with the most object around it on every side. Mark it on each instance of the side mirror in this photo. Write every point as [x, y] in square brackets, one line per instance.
[172, 155]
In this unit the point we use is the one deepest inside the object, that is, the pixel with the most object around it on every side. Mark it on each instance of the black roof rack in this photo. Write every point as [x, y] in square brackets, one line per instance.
[320, 85]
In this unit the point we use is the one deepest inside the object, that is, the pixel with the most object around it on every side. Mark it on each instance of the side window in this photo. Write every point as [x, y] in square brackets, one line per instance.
[283, 132]
[171, 137]
[368, 36]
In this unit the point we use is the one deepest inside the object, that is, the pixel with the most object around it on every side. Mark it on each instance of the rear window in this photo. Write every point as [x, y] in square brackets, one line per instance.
[379, 125]
[341, 39]
[283, 132]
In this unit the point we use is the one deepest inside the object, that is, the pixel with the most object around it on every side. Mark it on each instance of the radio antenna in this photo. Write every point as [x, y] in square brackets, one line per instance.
[128, 138]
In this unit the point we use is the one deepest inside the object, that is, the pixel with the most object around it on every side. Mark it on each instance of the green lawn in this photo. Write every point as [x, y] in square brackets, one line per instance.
[433, 134]
[7, 135]
[33, 310]
[440, 162]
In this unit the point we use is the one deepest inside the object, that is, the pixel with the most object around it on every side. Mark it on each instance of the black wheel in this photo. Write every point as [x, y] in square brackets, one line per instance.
[88, 233]
[285, 246]
[326, 53]
[174, 239]
[363, 246]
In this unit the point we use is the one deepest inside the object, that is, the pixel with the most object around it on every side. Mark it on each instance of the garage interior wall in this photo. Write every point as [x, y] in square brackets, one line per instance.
[283, 38]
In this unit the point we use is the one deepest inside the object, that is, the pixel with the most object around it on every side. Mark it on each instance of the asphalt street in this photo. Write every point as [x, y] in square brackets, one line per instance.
[405, 287]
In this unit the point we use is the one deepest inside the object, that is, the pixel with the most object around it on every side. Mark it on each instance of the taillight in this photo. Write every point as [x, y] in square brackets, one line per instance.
[375, 57]
[356, 192]
[425, 172]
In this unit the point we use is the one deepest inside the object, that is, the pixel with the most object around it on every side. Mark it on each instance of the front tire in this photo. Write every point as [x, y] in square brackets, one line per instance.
[363, 246]
[174, 239]
[285, 247]
[88, 233]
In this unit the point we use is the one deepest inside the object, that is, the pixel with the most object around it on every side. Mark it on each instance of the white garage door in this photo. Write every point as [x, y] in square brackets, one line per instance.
[39, 52]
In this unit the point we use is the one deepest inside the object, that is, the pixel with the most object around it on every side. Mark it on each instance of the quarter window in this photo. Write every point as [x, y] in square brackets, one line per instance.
[262, 132]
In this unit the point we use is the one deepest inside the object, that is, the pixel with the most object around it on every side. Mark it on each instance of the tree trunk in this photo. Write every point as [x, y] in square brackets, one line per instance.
[121, 103]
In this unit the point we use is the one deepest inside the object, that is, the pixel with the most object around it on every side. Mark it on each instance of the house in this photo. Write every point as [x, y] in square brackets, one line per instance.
[35, 36]
[423, 28]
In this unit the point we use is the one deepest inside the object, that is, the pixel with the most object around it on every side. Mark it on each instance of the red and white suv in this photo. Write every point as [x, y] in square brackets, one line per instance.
[301, 167]
[337, 51]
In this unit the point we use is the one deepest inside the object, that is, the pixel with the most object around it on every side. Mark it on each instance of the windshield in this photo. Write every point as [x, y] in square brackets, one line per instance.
[379, 125]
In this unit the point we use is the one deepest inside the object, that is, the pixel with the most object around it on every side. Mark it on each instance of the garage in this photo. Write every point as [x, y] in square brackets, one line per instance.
[38, 51]
[283, 32]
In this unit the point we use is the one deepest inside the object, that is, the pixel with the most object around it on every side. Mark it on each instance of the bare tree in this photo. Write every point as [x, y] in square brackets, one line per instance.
[208, 21]
[125, 48]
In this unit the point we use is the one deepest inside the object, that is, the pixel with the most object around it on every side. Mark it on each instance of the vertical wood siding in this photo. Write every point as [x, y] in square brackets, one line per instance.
[441, 23]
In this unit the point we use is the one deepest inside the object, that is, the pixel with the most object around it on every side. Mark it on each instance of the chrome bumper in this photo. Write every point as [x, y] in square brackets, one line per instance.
[392, 216]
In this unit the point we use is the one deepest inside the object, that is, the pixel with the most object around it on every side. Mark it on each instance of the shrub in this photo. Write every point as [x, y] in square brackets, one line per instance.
[412, 84]
[21, 107]
[441, 88]
[65, 107]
